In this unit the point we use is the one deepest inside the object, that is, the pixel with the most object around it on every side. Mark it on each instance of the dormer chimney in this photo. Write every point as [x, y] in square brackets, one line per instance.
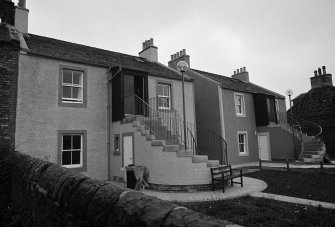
[321, 79]
[177, 57]
[149, 51]
[241, 74]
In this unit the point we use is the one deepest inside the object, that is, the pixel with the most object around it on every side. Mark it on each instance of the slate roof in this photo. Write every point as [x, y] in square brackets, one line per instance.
[59, 49]
[4, 34]
[238, 85]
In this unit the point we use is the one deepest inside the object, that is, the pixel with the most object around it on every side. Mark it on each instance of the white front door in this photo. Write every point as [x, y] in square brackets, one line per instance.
[128, 153]
[264, 146]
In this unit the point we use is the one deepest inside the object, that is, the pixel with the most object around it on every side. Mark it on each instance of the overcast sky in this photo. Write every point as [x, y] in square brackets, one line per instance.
[280, 42]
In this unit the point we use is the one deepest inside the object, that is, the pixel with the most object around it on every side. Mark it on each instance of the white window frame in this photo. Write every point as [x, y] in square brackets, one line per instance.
[164, 96]
[246, 147]
[71, 150]
[277, 111]
[237, 105]
[80, 86]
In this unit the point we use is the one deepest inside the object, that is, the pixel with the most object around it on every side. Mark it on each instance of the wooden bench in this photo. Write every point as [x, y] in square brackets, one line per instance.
[222, 173]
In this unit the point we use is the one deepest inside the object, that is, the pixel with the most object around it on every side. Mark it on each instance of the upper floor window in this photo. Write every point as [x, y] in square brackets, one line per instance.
[72, 149]
[239, 105]
[72, 87]
[242, 138]
[164, 96]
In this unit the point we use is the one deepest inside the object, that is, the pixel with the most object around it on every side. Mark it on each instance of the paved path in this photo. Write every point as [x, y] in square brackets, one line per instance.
[290, 199]
[250, 185]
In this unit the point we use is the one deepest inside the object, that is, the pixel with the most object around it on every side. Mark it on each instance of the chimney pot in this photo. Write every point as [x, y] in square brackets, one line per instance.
[184, 51]
[235, 72]
[315, 73]
[319, 71]
[151, 41]
[324, 70]
[244, 69]
[177, 54]
[241, 69]
[181, 53]
[22, 3]
[172, 57]
[238, 71]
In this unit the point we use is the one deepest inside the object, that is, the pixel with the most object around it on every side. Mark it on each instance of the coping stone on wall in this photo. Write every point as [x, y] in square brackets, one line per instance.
[102, 203]
[137, 209]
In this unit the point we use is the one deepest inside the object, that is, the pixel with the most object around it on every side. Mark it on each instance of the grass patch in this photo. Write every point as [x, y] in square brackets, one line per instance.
[305, 184]
[249, 211]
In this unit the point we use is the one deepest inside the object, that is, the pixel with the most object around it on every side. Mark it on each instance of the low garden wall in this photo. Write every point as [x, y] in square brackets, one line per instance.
[56, 196]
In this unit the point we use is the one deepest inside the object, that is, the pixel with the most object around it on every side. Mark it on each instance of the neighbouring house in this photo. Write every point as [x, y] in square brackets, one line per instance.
[250, 118]
[315, 112]
[96, 111]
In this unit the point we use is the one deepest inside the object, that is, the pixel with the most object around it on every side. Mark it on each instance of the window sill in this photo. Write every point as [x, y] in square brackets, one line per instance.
[240, 115]
[241, 154]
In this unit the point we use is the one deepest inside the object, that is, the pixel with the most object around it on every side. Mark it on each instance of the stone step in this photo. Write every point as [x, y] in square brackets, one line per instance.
[310, 156]
[199, 158]
[150, 137]
[171, 148]
[183, 153]
[145, 132]
[213, 163]
[310, 152]
[157, 142]
[140, 127]
[310, 159]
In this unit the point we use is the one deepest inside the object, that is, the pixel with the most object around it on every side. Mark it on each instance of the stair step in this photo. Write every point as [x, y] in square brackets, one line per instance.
[136, 123]
[158, 143]
[150, 137]
[310, 152]
[183, 153]
[145, 132]
[171, 148]
[140, 127]
[213, 163]
[310, 159]
[199, 158]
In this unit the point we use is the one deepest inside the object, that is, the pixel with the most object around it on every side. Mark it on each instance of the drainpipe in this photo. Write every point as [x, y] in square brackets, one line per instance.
[109, 112]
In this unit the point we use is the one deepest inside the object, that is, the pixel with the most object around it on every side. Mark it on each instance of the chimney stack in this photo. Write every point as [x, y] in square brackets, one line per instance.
[321, 79]
[241, 74]
[21, 17]
[177, 57]
[149, 51]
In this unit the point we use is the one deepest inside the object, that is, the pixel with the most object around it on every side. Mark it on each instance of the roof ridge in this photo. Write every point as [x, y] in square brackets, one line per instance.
[86, 46]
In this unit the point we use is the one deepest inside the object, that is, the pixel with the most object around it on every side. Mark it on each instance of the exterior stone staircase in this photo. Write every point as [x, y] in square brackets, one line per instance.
[313, 149]
[170, 145]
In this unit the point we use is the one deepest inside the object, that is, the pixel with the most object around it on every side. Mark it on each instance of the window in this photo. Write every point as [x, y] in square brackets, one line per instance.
[164, 96]
[242, 141]
[117, 144]
[72, 87]
[277, 111]
[239, 105]
[72, 149]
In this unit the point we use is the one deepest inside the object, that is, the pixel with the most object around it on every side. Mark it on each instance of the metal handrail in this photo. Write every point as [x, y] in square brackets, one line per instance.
[164, 124]
[309, 127]
[213, 145]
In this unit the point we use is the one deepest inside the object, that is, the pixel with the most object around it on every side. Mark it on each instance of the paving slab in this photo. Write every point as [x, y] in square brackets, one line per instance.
[250, 186]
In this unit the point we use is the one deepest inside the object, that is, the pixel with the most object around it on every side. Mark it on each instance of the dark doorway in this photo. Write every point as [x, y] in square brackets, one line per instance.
[130, 91]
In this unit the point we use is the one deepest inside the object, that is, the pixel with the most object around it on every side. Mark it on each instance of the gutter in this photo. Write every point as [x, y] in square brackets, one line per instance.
[109, 114]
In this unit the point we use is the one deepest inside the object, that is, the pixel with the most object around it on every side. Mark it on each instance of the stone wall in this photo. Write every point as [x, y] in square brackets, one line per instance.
[8, 91]
[55, 196]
